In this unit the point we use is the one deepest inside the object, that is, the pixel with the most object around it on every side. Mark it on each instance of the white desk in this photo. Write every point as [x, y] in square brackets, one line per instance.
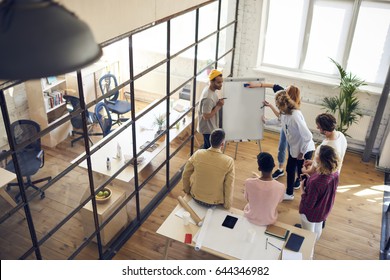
[174, 229]
[6, 177]
[145, 132]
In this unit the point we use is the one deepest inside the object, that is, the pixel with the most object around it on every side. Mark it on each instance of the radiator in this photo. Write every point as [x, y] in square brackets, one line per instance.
[357, 131]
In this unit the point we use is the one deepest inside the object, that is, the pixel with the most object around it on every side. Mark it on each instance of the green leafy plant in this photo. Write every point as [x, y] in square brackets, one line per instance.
[346, 104]
[159, 121]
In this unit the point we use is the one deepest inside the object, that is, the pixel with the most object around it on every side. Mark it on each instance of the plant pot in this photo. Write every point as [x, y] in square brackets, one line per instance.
[158, 133]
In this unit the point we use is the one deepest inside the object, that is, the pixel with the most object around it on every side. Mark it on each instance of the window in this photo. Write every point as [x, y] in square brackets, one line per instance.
[301, 35]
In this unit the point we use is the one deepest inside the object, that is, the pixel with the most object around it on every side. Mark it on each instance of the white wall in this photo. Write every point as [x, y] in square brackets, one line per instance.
[249, 24]
[109, 19]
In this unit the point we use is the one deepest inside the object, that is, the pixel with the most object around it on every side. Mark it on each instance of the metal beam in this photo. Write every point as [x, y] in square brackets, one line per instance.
[377, 119]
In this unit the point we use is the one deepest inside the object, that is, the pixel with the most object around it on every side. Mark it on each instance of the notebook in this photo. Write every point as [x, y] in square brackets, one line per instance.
[277, 232]
[294, 242]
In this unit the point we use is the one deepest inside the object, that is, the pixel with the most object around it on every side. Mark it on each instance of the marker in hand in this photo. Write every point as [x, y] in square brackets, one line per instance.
[223, 98]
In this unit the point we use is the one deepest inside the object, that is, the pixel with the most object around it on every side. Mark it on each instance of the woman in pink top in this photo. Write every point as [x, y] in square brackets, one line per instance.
[263, 194]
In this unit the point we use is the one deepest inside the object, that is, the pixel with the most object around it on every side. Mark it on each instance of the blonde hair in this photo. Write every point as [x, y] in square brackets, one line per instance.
[284, 102]
[328, 160]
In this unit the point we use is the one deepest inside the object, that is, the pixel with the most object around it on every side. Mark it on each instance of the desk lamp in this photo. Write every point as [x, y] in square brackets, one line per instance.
[40, 38]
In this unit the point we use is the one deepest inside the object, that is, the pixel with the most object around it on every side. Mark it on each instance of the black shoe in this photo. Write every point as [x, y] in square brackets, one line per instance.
[297, 184]
[277, 174]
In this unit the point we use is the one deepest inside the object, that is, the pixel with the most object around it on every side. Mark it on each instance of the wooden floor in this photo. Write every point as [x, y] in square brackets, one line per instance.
[352, 230]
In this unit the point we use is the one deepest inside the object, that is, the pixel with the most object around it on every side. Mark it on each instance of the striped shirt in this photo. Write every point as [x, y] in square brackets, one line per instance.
[319, 196]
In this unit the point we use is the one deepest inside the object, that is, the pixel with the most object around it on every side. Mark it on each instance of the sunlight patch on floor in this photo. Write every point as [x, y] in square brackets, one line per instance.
[346, 188]
[381, 188]
[367, 192]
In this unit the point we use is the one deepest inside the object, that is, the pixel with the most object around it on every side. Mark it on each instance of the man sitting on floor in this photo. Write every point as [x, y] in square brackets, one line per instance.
[209, 174]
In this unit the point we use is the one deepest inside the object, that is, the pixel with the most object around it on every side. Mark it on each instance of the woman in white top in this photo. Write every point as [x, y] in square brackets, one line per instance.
[299, 139]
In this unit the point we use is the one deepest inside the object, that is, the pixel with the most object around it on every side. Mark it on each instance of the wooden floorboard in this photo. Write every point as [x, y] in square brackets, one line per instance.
[352, 230]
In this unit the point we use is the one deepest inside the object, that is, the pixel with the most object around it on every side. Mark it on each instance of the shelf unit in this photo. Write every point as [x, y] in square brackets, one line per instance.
[47, 106]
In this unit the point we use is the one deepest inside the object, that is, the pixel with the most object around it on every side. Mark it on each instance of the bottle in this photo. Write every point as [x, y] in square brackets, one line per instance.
[108, 163]
[118, 151]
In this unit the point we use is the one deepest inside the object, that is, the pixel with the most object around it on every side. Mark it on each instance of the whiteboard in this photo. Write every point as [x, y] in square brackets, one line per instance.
[242, 112]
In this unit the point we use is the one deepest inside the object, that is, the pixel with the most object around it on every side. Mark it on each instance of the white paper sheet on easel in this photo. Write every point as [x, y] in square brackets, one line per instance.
[233, 242]
[198, 209]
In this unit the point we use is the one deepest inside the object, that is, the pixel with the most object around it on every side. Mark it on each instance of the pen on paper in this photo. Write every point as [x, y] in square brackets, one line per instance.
[274, 246]
[262, 107]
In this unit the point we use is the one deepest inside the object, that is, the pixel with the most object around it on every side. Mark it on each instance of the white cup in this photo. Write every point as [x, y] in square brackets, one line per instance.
[250, 235]
[186, 218]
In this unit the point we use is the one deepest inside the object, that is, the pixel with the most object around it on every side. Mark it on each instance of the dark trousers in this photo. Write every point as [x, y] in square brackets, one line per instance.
[206, 139]
[293, 164]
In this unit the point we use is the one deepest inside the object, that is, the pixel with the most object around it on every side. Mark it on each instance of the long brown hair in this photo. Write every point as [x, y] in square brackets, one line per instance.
[295, 94]
[328, 160]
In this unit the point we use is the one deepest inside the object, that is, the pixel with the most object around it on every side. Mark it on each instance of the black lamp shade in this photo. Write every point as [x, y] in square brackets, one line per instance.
[41, 39]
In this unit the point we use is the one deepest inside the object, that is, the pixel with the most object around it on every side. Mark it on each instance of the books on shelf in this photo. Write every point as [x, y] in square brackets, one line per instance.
[277, 231]
[53, 99]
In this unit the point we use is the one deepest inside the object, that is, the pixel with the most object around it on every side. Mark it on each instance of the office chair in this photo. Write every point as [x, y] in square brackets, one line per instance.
[72, 104]
[31, 158]
[116, 106]
[103, 116]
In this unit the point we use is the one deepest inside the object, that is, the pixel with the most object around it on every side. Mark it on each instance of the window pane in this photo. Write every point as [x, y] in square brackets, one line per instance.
[149, 47]
[284, 34]
[228, 11]
[226, 40]
[208, 19]
[370, 52]
[328, 34]
[182, 32]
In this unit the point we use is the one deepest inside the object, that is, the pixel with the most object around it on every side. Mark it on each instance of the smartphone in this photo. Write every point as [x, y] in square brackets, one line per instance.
[229, 221]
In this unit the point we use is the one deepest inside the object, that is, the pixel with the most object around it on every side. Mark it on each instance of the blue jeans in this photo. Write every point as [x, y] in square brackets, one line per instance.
[206, 139]
[282, 147]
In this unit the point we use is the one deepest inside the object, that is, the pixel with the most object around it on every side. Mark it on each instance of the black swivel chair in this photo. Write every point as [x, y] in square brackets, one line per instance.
[72, 104]
[31, 158]
[104, 118]
[116, 106]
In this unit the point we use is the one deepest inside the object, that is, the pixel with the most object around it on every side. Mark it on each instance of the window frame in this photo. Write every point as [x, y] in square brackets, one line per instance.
[299, 72]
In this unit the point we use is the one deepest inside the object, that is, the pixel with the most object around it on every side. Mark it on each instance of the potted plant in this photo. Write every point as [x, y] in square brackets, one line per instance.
[159, 121]
[346, 104]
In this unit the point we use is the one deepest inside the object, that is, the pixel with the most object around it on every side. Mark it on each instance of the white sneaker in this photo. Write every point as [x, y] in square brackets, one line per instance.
[288, 197]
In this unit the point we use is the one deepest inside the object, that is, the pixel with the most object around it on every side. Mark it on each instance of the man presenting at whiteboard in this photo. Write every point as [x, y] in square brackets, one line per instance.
[209, 105]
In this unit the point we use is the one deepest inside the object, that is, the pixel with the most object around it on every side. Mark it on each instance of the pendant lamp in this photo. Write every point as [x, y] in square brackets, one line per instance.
[40, 38]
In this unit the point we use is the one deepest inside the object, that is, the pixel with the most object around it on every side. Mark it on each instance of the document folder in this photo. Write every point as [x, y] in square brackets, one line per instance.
[277, 232]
